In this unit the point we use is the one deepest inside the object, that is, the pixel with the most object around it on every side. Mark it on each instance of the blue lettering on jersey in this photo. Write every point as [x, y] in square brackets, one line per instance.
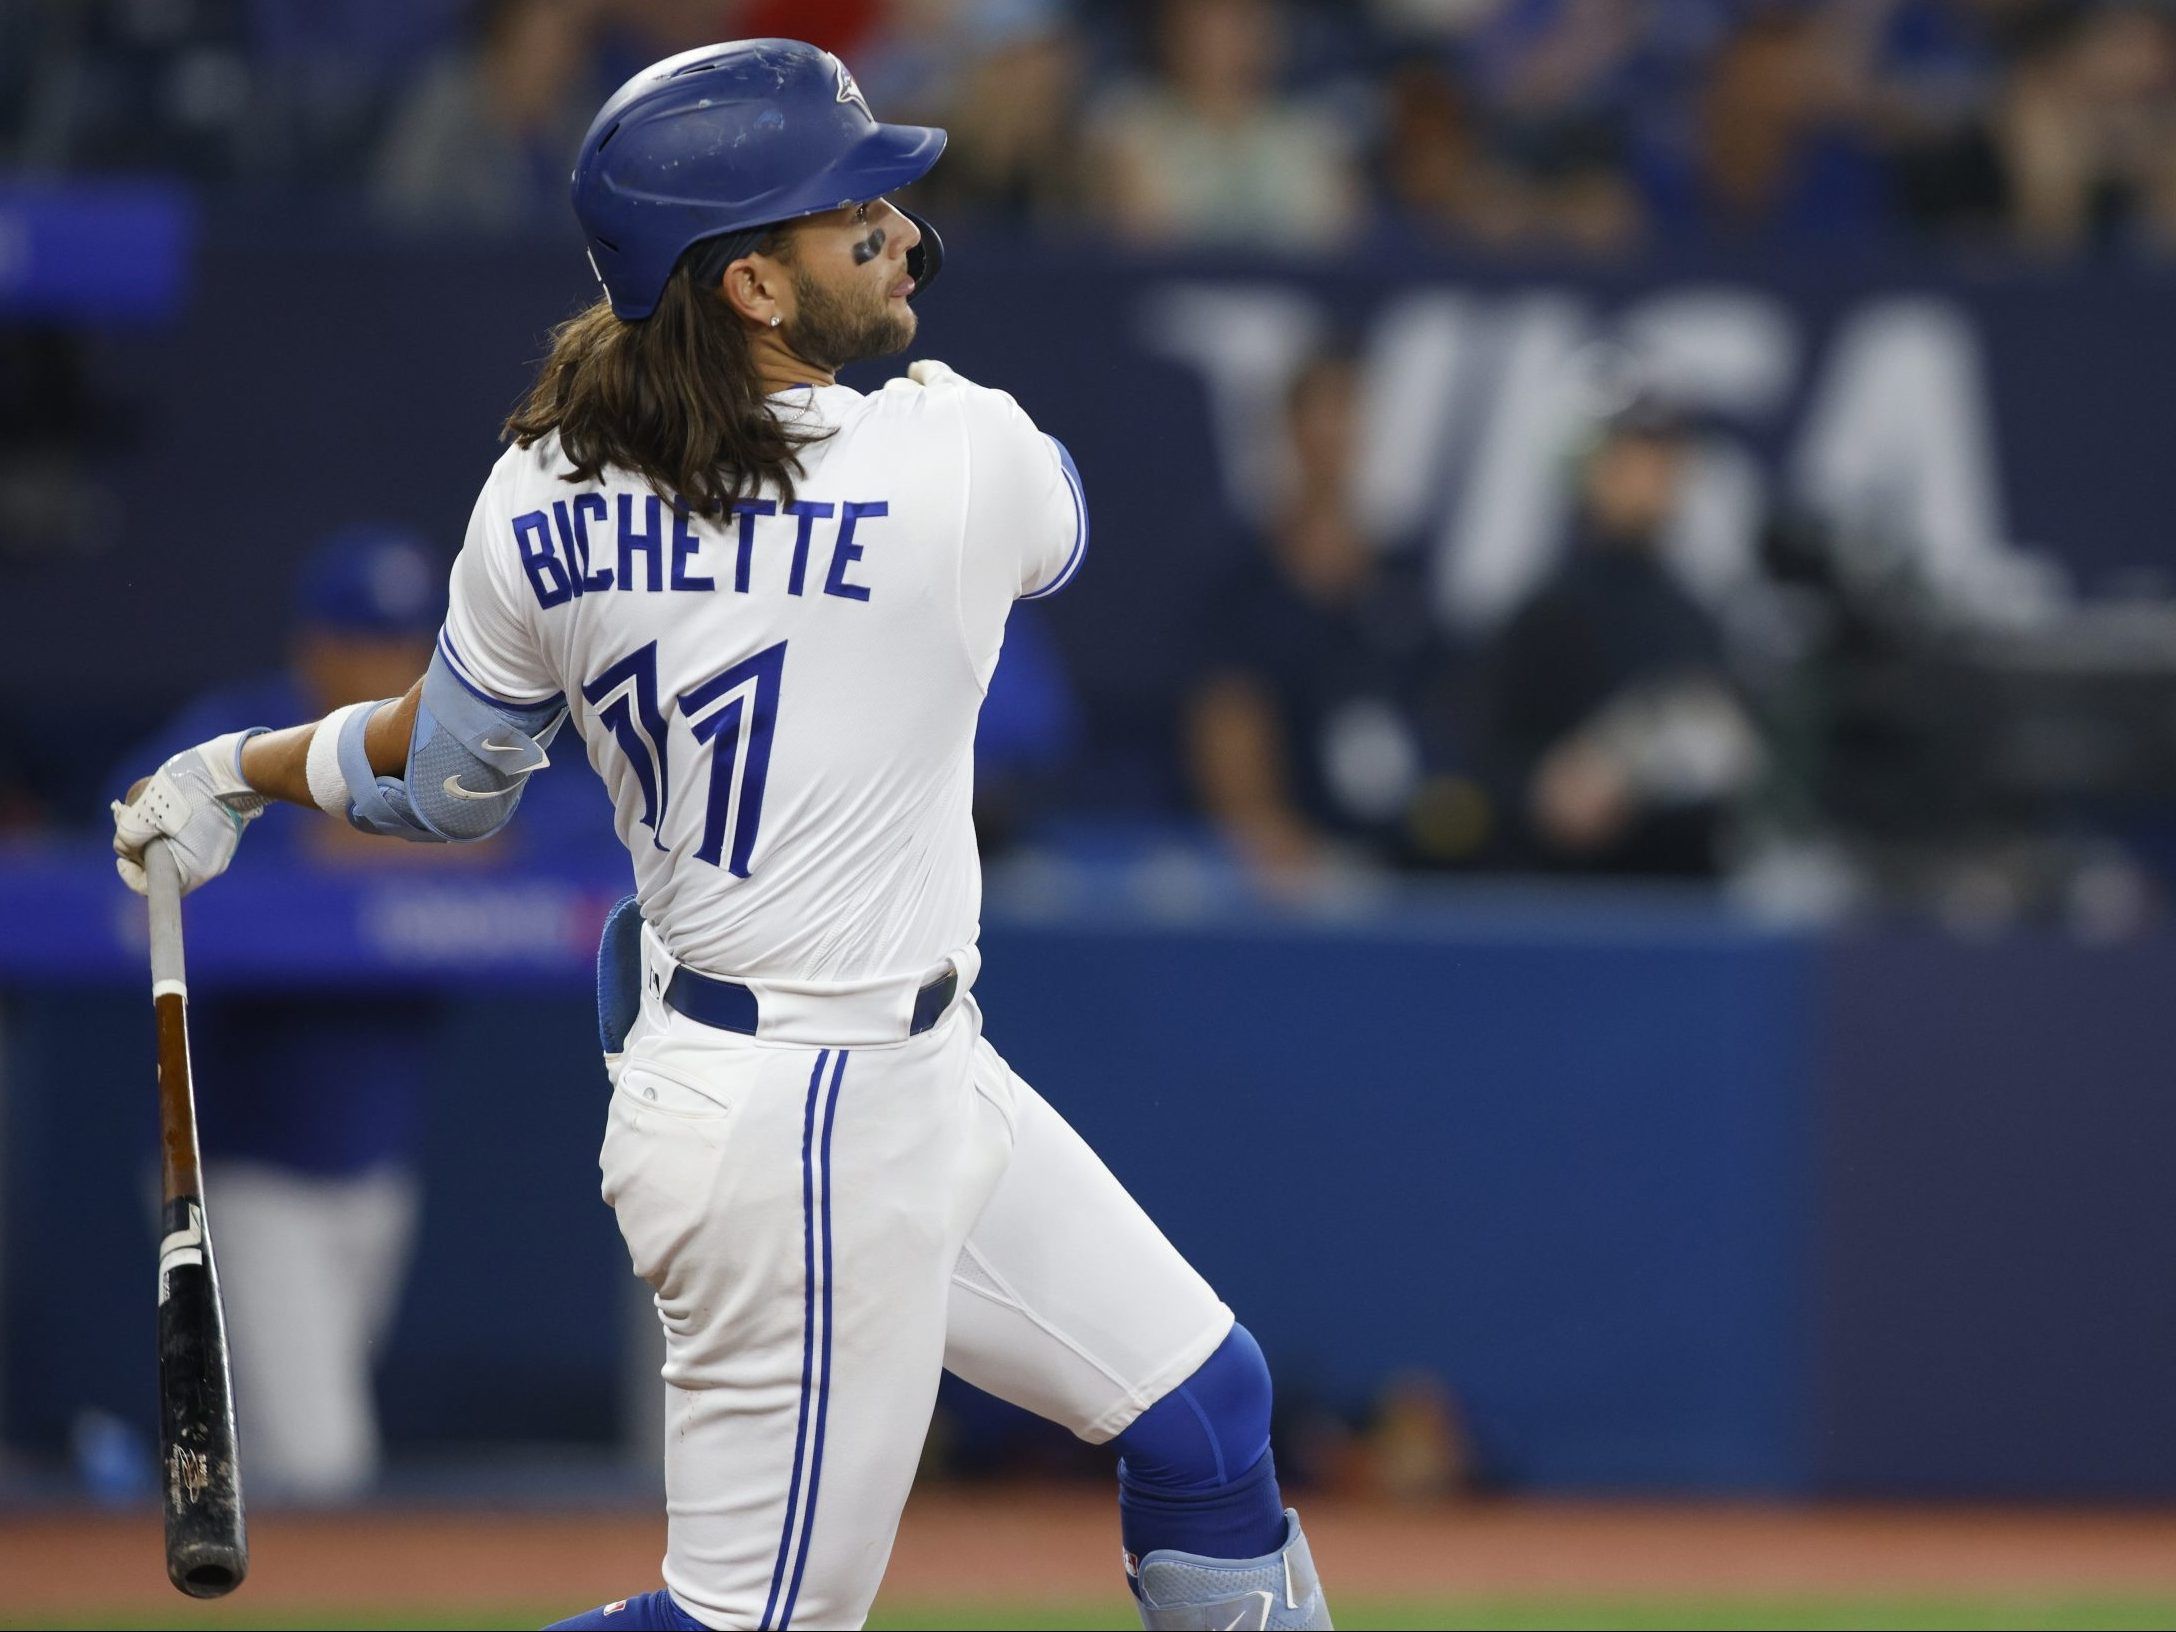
[584, 506]
[807, 511]
[748, 510]
[561, 568]
[846, 552]
[632, 540]
[533, 537]
[577, 561]
[685, 542]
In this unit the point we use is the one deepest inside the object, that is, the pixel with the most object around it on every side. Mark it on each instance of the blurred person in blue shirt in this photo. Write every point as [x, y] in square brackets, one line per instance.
[1025, 736]
[1775, 147]
[311, 1113]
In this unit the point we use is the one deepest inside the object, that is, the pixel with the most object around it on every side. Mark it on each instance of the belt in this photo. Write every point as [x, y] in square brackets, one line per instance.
[730, 1006]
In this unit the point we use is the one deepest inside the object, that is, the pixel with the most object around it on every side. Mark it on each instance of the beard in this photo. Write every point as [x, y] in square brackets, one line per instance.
[831, 328]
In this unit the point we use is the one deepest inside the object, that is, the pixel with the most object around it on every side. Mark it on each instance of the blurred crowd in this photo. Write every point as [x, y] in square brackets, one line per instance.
[1601, 729]
[1527, 128]
[1610, 725]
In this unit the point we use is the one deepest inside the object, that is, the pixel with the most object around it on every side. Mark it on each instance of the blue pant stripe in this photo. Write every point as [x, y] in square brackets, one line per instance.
[823, 1373]
[808, 1335]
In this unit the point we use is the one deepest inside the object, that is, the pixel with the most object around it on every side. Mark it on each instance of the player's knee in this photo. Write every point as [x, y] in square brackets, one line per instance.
[1208, 1431]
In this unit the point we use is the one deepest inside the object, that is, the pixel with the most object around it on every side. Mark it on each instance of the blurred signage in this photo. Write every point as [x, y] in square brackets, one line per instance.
[95, 252]
[66, 920]
[2000, 434]
[1478, 399]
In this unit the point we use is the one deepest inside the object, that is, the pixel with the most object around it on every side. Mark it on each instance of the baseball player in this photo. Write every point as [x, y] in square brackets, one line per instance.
[770, 605]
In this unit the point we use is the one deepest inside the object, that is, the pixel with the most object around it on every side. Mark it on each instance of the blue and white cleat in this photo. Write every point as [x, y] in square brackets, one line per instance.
[1181, 1592]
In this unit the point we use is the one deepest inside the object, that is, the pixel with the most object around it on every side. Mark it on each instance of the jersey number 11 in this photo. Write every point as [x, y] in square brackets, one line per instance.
[733, 714]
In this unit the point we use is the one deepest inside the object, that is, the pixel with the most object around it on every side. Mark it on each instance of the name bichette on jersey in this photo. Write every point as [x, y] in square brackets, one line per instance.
[594, 543]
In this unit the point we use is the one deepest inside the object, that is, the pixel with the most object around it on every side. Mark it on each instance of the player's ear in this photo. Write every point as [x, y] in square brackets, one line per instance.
[752, 286]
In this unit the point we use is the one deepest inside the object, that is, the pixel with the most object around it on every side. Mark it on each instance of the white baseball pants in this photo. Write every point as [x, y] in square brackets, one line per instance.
[828, 1229]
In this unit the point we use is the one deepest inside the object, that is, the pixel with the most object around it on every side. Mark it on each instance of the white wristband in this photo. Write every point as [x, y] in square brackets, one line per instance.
[327, 785]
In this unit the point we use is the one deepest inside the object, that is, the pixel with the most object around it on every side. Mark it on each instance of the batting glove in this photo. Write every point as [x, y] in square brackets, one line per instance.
[928, 374]
[198, 802]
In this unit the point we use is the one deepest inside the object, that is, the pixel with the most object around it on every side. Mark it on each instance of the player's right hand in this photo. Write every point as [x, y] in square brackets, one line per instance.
[926, 374]
[198, 802]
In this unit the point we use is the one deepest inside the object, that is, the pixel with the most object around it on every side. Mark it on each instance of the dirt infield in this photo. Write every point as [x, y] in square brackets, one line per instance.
[1038, 1545]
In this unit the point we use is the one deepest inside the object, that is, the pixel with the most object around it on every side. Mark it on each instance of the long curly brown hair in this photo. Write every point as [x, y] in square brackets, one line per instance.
[672, 397]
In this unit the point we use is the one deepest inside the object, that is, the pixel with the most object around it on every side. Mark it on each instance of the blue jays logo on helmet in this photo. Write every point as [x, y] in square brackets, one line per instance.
[849, 91]
[724, 138]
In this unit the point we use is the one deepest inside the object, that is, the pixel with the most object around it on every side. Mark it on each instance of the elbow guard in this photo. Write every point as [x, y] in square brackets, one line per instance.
[468, 761]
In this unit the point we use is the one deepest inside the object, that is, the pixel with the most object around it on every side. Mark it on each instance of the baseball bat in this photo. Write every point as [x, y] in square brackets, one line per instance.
[207, 1541]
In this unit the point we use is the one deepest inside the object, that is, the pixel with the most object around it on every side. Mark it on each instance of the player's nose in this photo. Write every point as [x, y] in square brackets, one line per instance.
[901, 234]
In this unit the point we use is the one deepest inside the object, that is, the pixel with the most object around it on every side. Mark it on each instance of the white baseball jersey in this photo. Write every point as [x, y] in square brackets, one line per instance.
[782, 701]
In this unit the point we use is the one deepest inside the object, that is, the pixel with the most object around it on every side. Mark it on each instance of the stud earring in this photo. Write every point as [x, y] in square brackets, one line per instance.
[776, 320]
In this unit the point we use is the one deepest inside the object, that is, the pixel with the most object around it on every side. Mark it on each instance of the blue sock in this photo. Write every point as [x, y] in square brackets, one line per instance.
[1241, 1519]
[1195, 1473]
[651, 1612]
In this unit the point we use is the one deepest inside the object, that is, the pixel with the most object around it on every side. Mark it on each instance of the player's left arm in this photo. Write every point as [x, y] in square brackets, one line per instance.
[445, 763]
[437, 765]
[276, 764]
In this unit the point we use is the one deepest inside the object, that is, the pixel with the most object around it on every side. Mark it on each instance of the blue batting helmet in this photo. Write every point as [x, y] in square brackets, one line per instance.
[726, 138]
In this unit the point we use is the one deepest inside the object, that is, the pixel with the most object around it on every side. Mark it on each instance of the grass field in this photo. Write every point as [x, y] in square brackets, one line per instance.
[1046, 1559]
[1635, 1613]
[1354, 1613]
